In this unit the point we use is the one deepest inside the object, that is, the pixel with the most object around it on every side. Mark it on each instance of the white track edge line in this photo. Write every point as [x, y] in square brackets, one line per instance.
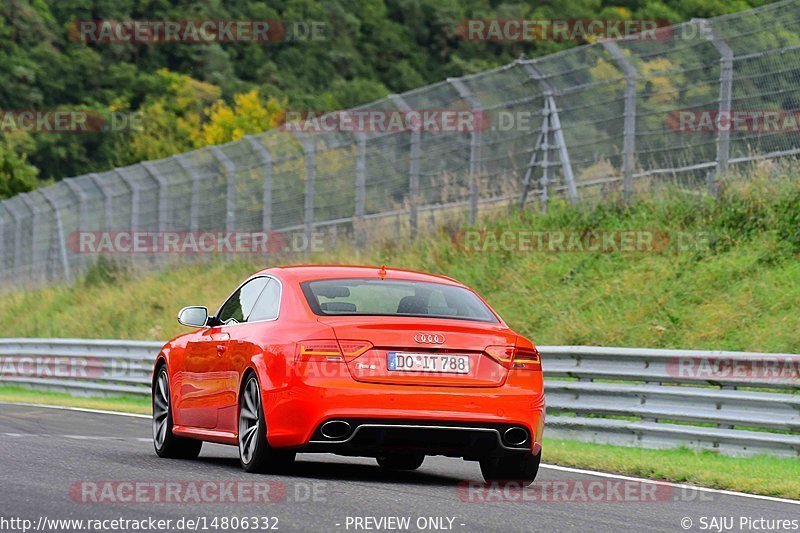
[669, 484]
[551, 467]
[79, 409]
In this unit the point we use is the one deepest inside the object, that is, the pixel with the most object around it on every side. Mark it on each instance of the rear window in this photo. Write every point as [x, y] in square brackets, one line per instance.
[336, 297]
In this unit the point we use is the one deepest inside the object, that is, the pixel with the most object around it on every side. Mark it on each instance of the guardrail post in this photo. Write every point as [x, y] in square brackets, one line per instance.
[107, 200]
[308, 150]
[474, 146]
[266, 160]
[230, 176]
[62, 242]
[194, 202]
[413, 167]
[629, 127]
[163, 205]
[724, 110]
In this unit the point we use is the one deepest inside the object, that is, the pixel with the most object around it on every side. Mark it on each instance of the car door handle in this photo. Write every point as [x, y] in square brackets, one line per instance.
[221, 349]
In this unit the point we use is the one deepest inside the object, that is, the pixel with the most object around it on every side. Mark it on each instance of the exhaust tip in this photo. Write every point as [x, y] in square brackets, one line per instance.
[515, 436]
[335, 429]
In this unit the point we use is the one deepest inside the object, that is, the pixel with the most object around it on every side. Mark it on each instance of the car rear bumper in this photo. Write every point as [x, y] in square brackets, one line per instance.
[456, 421]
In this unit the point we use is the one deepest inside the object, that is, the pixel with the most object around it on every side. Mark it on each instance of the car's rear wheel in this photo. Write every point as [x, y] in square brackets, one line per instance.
[400, 461]
[255, 453]
[165, 443]
[521, 468]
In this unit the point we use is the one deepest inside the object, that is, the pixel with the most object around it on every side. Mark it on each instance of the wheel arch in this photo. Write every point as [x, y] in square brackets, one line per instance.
[161, 360]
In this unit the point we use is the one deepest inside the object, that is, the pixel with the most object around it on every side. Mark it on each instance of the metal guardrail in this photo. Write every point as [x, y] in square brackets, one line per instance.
[732, 402]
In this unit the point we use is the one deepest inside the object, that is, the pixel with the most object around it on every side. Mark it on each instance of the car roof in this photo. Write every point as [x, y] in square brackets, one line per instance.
[302, 273]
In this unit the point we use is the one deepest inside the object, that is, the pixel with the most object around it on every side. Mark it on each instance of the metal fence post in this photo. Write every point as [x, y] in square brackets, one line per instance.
[230, 176]
[548, 92]
[35, 226]
[194, 202]
[413, 167]
[474, 146]
[566, 165]
[163, 206]
[62, 242]
[135, 198]
[361, 187]
[17, 237]
[724, 111]
[83, 213]
[266, 160]
[308, 150]
[81, 197]
[107, 200]
[3, 269]
[629, 131]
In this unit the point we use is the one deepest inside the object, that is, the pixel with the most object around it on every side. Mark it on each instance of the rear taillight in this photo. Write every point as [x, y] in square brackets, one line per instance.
[527, 359]
[515, 358]
[331, 351]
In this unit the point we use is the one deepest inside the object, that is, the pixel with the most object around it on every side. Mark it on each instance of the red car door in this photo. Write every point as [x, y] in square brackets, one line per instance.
[209, 375]
[247, 340]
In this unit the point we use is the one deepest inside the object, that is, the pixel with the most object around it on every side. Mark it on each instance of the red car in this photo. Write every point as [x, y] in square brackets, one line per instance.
[360, 361]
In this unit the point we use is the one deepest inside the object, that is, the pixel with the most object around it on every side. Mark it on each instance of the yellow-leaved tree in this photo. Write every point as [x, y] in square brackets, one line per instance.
[249, 114]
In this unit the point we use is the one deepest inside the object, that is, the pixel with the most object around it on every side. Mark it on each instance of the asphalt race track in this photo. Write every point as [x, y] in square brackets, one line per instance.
[64, 464]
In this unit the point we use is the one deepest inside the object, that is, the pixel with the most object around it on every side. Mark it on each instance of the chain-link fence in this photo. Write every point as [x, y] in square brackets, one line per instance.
[585, 124]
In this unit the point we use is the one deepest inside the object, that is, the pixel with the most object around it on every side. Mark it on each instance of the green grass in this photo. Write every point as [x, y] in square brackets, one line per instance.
[760, 474]
[125, 404]
[738, 293]
[757, 475]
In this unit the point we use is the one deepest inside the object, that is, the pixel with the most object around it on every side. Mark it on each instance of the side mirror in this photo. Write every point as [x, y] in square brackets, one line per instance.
[194, 316]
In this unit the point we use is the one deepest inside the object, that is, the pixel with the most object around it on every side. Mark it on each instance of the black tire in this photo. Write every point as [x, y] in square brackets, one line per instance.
[165, 443]
[400, 461]
[255, 453]
[521, 468]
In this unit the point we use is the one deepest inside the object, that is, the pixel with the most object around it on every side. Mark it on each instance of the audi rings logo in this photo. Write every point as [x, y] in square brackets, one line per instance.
[429, 338]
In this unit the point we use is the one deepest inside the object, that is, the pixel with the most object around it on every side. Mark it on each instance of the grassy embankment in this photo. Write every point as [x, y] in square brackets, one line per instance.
[736, 287]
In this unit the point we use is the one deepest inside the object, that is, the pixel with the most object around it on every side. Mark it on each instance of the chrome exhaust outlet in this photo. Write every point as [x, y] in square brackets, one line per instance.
[335, 429]
[515, 436]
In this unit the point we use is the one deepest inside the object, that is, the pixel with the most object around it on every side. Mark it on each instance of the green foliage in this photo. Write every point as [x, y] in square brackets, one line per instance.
[16, 174]
[366, 49]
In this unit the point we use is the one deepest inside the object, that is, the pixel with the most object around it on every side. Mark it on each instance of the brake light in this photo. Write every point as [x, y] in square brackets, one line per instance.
[527, 359]
[516, 358]
[331, 351]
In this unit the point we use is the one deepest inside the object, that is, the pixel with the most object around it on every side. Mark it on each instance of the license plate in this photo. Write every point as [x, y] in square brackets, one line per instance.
[426, 362]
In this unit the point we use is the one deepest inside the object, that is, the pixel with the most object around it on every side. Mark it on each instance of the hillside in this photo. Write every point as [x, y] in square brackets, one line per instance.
[178, 96]
[723, 275]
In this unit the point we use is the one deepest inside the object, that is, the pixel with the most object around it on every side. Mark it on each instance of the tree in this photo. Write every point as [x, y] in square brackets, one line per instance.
[16, 174]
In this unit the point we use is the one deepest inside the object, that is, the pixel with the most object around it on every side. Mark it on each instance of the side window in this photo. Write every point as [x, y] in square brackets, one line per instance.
[268, 304]
[242, 301]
